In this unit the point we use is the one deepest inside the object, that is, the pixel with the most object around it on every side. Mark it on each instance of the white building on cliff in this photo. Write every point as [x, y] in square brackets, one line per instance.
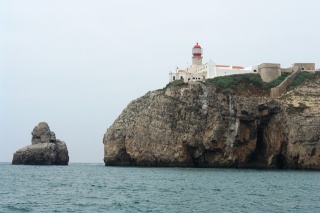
[198, 71]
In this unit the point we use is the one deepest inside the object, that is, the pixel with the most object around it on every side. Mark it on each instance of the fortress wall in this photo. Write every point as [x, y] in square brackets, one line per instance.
[305, 66]
[282, 88]
[224, 72]
[269, 71]
[287, 70]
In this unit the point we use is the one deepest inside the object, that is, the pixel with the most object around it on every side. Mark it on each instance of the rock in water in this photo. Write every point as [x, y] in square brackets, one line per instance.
[44, 150]
[195, 125]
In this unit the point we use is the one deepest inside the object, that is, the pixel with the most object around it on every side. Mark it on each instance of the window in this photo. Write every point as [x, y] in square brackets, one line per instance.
[254, 70]
[174, 78]
[181, 77]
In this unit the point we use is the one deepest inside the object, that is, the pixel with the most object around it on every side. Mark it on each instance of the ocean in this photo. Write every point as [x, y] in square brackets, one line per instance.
[82, 187]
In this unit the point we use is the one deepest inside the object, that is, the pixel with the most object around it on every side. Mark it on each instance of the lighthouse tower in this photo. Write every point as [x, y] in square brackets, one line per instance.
[197, 55]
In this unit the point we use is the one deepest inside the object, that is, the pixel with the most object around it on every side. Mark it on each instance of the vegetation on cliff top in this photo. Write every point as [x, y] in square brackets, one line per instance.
[236, 81]
[175, 83]
[247, 84]
[301, 77]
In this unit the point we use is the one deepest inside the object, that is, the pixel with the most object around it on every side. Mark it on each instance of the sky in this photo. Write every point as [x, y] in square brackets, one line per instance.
[77, 64]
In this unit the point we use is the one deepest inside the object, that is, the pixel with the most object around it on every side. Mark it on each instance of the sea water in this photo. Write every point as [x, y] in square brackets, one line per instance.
[96, 188]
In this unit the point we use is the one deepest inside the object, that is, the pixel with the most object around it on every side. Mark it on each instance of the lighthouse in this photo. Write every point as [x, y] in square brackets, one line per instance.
[197, 55]
[199, 72]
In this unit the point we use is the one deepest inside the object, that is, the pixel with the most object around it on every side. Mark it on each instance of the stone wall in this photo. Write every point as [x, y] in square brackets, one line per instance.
[286, 70]
[269, 71]
[282, 88]
[305, 66]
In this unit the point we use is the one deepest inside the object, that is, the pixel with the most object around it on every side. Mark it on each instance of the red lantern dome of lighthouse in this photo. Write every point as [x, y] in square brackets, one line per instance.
[197, 50]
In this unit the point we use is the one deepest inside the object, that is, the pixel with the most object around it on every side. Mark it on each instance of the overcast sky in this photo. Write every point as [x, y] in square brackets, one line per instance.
[77, 64]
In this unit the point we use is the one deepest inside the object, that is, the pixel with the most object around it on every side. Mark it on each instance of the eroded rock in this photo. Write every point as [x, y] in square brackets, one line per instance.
[193, 125]
[45, 149]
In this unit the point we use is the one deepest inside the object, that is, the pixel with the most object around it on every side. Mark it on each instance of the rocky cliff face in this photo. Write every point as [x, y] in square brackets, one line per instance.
[194, 125]
[44, 150]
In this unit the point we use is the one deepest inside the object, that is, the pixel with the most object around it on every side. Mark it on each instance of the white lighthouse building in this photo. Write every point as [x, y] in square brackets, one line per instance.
[198, 71]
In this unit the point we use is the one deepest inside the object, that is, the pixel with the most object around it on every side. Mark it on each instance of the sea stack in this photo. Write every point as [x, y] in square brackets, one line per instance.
[45, 149]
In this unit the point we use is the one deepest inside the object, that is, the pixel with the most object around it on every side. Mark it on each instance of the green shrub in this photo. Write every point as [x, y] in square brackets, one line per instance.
[175, 83]
[241, 80]
[277, 81]
[301, 77]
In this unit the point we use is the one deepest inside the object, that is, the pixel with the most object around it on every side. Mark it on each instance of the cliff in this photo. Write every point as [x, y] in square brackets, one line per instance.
[197, 125]
[45, 149]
